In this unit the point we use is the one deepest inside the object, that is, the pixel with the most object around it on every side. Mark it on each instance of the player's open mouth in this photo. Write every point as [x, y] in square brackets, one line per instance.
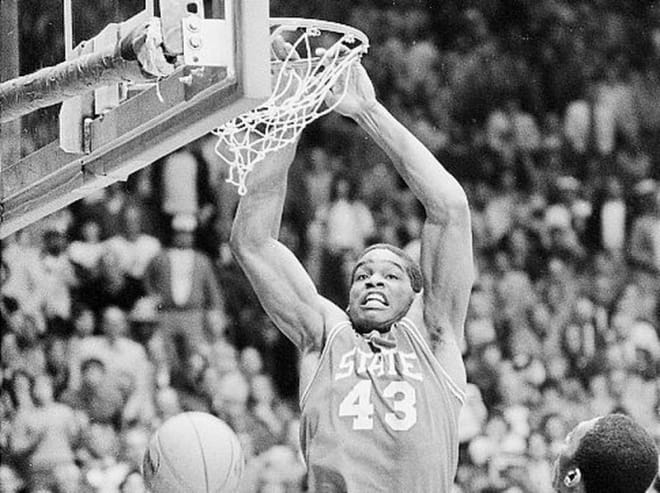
[375, 300]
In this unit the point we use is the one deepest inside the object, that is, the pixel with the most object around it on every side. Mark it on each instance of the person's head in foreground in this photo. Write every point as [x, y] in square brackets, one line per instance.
[608, 454]
[384, 284]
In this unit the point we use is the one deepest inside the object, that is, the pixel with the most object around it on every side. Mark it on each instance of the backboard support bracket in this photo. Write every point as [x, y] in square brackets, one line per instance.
[151, 123]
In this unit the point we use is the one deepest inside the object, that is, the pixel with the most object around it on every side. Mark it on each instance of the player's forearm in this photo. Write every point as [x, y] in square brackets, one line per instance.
[432, 184]
[259, 212]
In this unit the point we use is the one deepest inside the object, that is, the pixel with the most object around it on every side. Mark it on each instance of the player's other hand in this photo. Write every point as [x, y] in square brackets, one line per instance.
[359, 96]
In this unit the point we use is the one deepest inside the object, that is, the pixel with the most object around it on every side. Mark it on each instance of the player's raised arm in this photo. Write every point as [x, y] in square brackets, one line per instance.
[446, 259]
[282, 285]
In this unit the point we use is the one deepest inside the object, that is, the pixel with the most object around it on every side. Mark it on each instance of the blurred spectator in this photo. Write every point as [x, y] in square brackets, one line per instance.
[43, 438]
[133, 248]
[103, 471]
[231, 404]
[539, 468]
[58, 275]
[182, 184]
[186, 288]
[512, 132]
[125, 362]
[645, 234]
[24, 277]
[501, 206]
[606, 226]
[251, 362]
[101, 397]
[582, 342]
[10, 482]
[21, 347]
[85, 253]
[144, 321]
[104, 207]
[263, 398]
[167, 404]
[109, 286]
[133, 443]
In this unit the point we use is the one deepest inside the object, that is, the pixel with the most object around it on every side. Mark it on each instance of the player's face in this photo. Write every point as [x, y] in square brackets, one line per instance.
[381, 291]
[564, 463]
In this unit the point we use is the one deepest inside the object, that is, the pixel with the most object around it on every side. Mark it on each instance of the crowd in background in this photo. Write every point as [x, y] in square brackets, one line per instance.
[127, 308]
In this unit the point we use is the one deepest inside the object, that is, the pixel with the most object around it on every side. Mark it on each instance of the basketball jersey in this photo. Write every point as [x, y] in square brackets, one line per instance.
[380, 417]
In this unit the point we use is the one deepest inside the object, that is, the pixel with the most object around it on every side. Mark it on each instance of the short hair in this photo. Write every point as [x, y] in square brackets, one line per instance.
[617, 456]
[411, 267]
[89, 362]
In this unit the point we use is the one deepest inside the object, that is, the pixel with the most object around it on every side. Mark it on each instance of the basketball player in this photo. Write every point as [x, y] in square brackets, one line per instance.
[610, 454]
[382, 381]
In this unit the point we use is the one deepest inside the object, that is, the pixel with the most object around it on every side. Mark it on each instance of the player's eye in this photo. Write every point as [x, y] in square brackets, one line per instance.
[392, 276]
[360, 277]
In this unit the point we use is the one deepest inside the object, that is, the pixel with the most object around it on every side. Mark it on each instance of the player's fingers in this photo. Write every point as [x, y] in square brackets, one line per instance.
[337, 50]
[283, 50]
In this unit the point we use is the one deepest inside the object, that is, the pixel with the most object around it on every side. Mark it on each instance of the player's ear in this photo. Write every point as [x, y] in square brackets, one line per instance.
[573, 478]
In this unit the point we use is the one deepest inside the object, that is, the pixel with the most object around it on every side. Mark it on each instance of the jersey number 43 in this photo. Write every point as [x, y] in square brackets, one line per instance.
[357, 404]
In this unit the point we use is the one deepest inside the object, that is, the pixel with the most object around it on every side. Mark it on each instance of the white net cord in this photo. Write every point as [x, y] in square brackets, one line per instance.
[297, 99]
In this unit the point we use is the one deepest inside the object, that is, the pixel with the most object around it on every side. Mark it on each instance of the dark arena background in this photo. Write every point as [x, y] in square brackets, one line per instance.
[548, 114]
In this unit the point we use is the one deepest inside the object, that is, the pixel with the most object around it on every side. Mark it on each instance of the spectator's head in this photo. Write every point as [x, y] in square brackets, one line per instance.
[25, 327]
[90, 231]
[231, 399]
[134, 442]
[133, 483]
[497, 424]
[113, 322]
[143, 319]
[537, 446]
[557, 367]
[167, 403]
[599, 385]
[84, 321]
[93, 372]
[102, 441]
[42, 392]
[67, 478]
[57, 352]
[132, 222]
[216, 321]
[54, 242]
[20, 389]
[491, 355]
[261, 389]
[341, 188]
[110, 272]
[225, 357]
[583, 309]
[10, 481]
[553, 426]
[384, 283]
[647, 193]
[251, 361]
[609, 454]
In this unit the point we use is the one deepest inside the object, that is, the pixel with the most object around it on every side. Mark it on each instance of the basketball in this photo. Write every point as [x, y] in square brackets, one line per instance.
[193, 452]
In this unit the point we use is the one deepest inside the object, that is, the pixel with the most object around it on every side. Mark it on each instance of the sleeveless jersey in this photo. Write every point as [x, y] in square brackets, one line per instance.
[377, 418]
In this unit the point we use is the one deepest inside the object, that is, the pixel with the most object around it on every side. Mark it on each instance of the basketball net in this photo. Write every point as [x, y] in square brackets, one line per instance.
[301, 82]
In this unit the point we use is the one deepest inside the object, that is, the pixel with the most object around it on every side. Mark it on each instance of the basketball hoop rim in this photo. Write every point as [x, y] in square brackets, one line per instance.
[289, 24]
[293, 23]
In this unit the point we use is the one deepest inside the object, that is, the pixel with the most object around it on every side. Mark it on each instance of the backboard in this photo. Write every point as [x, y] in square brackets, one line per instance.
[221, 53]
